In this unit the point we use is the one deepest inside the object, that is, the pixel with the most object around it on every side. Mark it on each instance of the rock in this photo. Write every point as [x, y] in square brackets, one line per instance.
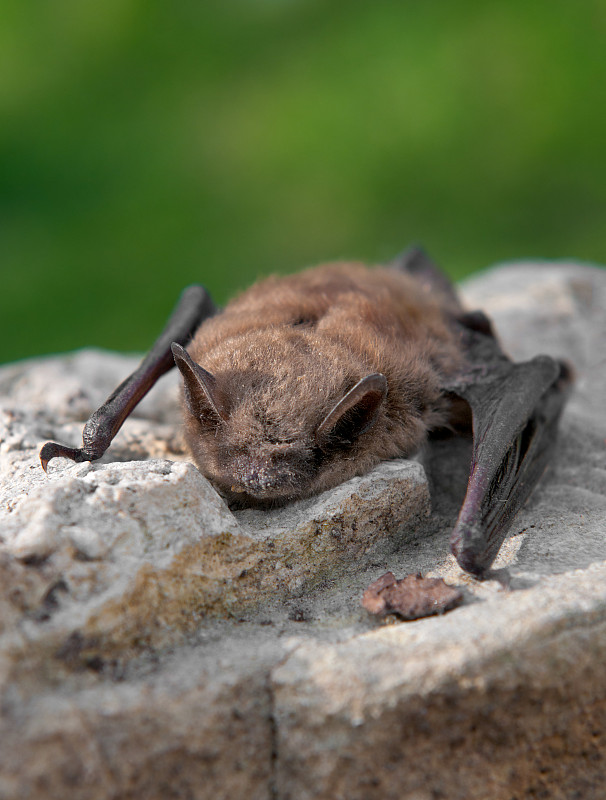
[501, 699]
[199, 727]
[137, 554]
[555, 308]
[72, 386]
[154, 643]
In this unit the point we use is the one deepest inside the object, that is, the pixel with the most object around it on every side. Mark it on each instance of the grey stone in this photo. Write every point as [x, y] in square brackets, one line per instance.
[72, 386]
[153, 643]
[138, 554]
[200, 727]
[505, 698]
[554, 307]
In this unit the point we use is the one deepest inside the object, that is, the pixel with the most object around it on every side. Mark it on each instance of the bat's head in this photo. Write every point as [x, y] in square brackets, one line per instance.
[272, 432]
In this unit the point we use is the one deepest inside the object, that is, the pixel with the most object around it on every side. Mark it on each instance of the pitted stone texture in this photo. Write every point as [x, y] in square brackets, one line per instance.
[115, 512]
[72, 386]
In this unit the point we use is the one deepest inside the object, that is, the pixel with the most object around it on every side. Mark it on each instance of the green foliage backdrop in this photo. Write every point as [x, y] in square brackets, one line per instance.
[147, 145]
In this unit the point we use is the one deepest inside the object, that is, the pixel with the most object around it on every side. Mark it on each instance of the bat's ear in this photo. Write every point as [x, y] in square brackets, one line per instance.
[356, 412]
[201, 389]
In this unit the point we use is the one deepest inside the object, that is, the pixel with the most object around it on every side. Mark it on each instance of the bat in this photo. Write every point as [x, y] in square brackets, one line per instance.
[305, 381]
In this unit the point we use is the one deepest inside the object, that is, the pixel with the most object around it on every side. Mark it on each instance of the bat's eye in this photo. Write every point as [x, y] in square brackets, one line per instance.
[304, 322]
[279, 442]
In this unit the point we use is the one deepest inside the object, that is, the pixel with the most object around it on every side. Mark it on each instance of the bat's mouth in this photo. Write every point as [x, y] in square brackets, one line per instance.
[268, 500]
[262, 494]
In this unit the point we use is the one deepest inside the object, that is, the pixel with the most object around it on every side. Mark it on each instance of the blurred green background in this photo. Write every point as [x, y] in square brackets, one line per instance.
[147, 145]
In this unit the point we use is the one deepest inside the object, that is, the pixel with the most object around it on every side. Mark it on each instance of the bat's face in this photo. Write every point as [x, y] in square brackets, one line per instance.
[257, 472]
[262, 440]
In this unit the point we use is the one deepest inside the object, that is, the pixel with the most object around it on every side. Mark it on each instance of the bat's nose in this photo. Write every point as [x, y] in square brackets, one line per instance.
[261, 479]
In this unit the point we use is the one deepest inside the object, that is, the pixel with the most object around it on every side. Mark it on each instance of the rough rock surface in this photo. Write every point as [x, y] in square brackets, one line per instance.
[154, 643]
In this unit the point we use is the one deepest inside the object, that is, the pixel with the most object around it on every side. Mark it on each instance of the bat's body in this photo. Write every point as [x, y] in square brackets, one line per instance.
[305, 381]
[287, 352]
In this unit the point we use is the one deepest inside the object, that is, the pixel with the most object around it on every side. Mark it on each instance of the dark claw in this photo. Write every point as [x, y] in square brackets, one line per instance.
[55, 450]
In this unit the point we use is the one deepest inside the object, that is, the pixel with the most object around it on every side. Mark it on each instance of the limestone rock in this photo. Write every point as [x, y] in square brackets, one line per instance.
[154, 643]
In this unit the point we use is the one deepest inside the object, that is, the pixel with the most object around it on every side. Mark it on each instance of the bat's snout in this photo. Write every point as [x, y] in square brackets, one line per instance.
[261, 479]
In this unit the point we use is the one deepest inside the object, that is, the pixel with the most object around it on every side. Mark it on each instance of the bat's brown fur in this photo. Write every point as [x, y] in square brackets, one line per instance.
[286, 351]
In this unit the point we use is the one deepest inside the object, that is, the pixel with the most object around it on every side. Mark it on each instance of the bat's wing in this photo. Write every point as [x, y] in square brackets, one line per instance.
[194, 305]
[515, 410]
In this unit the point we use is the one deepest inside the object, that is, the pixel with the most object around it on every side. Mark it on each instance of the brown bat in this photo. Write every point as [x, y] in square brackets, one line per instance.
[304, 381]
